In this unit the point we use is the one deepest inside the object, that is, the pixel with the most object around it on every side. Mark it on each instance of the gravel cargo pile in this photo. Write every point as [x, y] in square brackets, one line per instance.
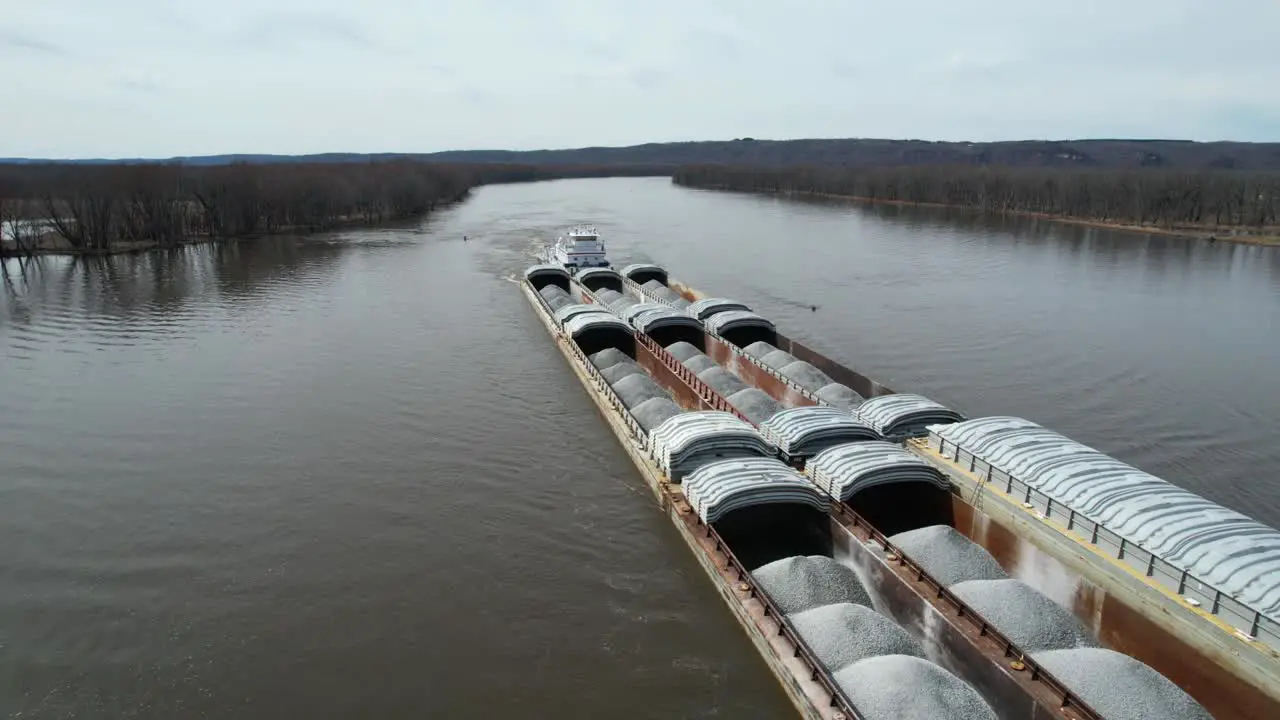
[840, 396]
[607, 296]
[1118, 686]
[947, 555]
[806, 376]
[722, 381]
[620, 370]
[608, 358]
[841, 634]
[778, 359]
[800, 583]
[754, 404]
[653, 412]
[1032, 621]
[758, 349]
[662, 291]
[683, 350]
[635, 389]
[698, 363]
[902, 687]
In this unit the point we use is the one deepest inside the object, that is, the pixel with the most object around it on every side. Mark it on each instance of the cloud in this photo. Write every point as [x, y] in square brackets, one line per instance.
[399, 75]
[22, 41]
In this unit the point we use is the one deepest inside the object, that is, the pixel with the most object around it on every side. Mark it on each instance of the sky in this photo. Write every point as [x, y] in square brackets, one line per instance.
[159, 78]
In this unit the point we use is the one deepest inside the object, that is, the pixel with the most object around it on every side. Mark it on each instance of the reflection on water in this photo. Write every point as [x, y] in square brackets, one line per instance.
[350, 476]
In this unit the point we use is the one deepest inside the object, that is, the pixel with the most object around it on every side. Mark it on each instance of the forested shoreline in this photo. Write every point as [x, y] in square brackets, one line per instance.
[102, 209]
[1227, 204]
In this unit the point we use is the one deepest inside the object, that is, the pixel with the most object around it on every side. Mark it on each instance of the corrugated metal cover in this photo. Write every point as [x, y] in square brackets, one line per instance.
[594, 321]
[893, 415]
[664, 317]
[598, 272]
[845, 470]
[564, 313]
[633, 268]
[1224, 548]
[719, 488]
[734, 319]
[640, 307]
[706, 307]
[806, 430]
[545, 269]
[692, 439]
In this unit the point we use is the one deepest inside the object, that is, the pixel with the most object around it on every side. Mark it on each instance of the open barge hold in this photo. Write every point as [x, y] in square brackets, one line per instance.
[840, 532]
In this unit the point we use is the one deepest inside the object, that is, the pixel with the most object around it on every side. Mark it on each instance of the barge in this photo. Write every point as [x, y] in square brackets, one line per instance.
[774, 461]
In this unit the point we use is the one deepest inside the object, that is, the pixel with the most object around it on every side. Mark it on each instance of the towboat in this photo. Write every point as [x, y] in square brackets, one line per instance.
[889, 556]
[579, 247]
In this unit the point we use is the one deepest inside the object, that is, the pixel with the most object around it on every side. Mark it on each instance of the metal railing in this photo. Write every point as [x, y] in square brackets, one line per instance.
[964, 612]
[1249, 623]
[805, 393]
[597, 379]
[818, 672]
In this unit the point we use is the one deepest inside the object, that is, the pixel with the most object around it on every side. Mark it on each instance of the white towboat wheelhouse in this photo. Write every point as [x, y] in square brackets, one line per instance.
[579, 248]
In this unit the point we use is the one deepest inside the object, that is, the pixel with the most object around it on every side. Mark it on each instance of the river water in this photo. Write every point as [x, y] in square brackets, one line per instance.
[350, 476]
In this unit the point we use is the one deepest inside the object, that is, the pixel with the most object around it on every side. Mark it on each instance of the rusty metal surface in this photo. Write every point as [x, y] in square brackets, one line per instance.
[1119, 625]
[742, 365]
[861, 384]
[1015, 665]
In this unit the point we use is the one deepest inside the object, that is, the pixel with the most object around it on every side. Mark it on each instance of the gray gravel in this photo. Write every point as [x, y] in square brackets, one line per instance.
[607, 296]
[635, 389]
[608, 358]
[754, 404]
[758, 349]
[616, 372]
[806, 376]
[947, 555]
[800, 583]
[1120, 687]
[841, 634]
[839, 395]
[778, 359]
[722, 381]
[698, 363]
[555, 302]
[683, 350]
[1032, 621]
[902, 687]
[653, 412]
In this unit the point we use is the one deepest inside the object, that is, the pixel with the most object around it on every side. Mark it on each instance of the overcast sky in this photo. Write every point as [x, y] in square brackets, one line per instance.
[157, 78]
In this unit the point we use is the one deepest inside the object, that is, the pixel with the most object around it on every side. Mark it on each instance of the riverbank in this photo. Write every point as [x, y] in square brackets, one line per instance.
[50, 243]
[1211, 205]
[1223, 234]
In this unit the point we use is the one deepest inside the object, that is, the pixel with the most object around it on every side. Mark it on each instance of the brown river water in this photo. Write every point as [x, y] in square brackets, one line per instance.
[349, 476]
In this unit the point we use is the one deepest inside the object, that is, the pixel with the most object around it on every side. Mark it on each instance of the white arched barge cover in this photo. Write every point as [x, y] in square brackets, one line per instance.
[692, 439]
[645, 268]
[808, 429]
[594, 321]
[1221, 547]
[629, 313]
[896, 414]
[546, 269]
[735, 319]
[706, 307]
[718, 488]
[663, 317]
[845, 470]
[598, 272]
[566, 312]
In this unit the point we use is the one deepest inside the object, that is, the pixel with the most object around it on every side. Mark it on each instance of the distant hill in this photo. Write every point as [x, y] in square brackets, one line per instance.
[1179, 154]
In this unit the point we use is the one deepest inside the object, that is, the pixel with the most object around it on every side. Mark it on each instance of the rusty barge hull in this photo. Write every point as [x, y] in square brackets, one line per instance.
[783, 656]
[1231, 676]
[954, 636]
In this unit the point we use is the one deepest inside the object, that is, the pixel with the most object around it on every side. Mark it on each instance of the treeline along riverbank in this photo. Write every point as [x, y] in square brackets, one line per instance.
[86, 209]
[1237, 205]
